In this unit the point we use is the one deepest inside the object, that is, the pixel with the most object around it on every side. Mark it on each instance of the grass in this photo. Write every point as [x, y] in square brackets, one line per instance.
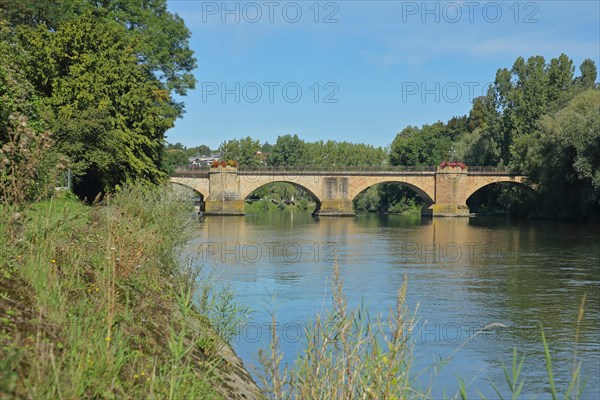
[95, 304]
[347, 356]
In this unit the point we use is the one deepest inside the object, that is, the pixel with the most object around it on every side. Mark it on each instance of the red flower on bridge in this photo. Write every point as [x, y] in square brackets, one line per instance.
[453, 164]
[217, 164]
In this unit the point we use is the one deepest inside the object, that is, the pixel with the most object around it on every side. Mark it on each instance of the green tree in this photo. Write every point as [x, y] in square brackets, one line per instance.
[266, 147]
[158, 37]
[108, 113]
[563, 156]
[173, 158]
[428, 145]
[17, 95]
[243, 151]
[288, 151]
[588, 74]
[515, 103]
[105, 72]
[202, 150]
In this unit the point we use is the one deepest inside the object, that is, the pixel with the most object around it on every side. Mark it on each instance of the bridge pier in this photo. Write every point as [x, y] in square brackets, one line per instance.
[449, 210]
[336, 201]
[450, 200]
[426, 210]
[224, 197]
[336, 208]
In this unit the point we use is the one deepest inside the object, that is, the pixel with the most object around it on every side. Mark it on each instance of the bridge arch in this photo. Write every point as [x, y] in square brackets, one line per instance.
[198, 185]
[423, 186]
[518, 181]
[257, 185]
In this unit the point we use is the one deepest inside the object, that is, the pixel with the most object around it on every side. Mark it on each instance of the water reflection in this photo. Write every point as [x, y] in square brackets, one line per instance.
[464, 273]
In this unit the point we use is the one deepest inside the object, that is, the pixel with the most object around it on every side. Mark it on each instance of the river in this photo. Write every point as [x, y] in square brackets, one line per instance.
[464, 274]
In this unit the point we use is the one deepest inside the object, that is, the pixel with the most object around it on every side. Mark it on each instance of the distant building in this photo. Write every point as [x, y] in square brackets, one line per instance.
[204, 159]
[262, 156]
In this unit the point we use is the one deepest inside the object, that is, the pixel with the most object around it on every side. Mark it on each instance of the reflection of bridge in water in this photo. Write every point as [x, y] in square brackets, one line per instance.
[444, 190]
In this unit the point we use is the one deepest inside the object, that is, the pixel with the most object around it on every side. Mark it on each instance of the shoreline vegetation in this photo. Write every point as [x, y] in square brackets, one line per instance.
[95, 303]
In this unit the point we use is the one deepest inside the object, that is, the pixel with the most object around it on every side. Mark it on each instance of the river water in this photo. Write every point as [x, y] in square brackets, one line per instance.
[464, 274]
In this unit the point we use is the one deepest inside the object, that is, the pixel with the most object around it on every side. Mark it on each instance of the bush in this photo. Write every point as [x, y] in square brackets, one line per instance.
[28, 166]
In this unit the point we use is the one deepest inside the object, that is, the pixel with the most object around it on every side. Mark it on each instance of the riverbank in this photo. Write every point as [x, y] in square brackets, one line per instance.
[94, 303]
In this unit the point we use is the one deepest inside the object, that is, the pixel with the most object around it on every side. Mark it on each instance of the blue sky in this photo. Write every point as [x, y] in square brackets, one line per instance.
[360, 71]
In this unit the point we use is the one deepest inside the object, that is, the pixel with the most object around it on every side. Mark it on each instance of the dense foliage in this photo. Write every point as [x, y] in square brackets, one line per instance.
[101, 77]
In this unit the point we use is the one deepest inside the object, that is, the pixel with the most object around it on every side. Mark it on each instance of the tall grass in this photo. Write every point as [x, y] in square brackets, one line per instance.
[95, 304]
[347, 355]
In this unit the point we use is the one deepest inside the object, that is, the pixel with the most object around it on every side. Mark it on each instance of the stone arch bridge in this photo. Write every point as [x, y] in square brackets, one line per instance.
[444, 190]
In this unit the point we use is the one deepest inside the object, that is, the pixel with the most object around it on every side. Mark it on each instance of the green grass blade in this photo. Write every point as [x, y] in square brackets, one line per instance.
[549, 366]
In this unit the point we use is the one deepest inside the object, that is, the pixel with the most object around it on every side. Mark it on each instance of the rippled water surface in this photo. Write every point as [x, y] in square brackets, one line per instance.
[464, 274]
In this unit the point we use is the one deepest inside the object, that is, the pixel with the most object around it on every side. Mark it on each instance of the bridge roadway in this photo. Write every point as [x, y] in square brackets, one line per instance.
[444, 190]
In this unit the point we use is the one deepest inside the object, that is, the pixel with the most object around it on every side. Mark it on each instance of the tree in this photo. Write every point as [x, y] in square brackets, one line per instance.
[288, 151]
[157, 37]
[566, 159]
[515, 103]
[17, 95]
[174, 158]
[202, 150]
[588, 76]
[105, 72]
[108, 113]
[426, 146]
[243, 151]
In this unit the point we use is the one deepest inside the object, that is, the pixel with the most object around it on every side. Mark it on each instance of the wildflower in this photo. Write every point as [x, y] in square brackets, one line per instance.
[143, 373]
[107, 339]
[147, 379]
[136, 376]
[53, 261]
